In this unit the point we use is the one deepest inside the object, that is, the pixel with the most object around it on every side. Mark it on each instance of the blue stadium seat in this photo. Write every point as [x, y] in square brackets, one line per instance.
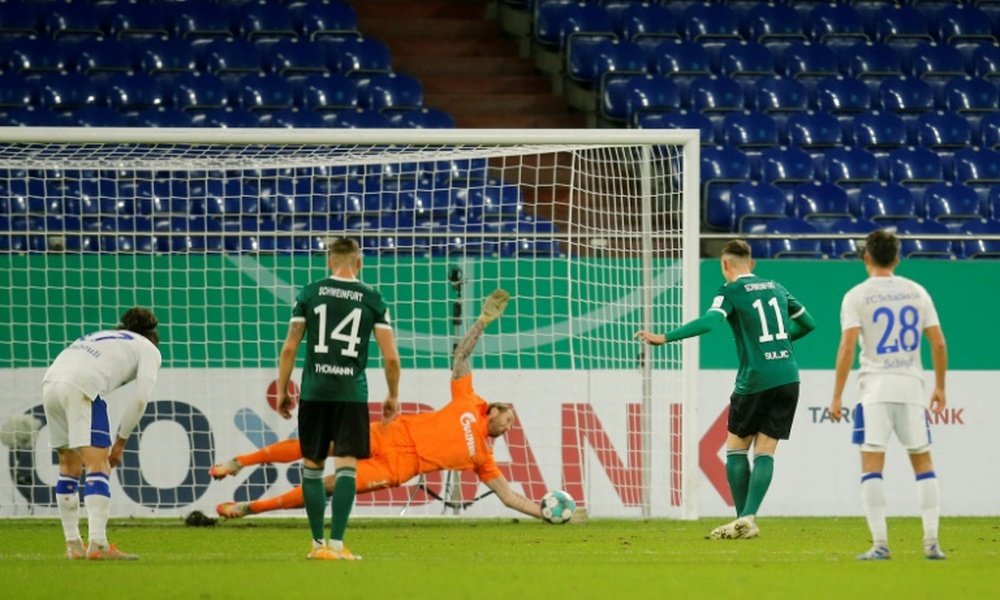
[15, 92]
[72, 20]
[199, 92]
[393, 91]
[224, 56]
[813, 130]
[126, 92]
[923, 247]
[161, 117]
[986, 61]
[721, 168]
[745, 59]
[18, 19]
[66, 92]
[849, 247]
[928, 60]
[706, 23]
[871, 61]
[200, 20]
[589, 63]
[268, 93]
[224, 117]
[92, 56]
[879, 131]
[361, 118]
[318, 20]
[915, 165]
[422, 118]
[977, 166]
[988, 131]
[680, 58]
[842, 95]
[33, 56]
[886, 202]
[749, 131]
[98, 116]
[168, 56]
[820, 201]
[959, 24]
[753, 202]
[776, 94]
[716, 94]
[947, 201]
[127, 20]
[648, 94]
[804, 60]
[976, 247]
[943, 131]
[642, 23]
[680, 120]
[901, 25]
[362, 55]
[905, 95]
[557, 22]
[971, 95]
[786, 166]
[850, 166]
[292, 58]
[270, 21]
[790, 247]
[320, 92]
[768, 23]
[835, 24]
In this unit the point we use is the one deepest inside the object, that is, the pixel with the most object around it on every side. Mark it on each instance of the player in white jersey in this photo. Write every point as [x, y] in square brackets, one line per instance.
[888, 315]
[77, 415]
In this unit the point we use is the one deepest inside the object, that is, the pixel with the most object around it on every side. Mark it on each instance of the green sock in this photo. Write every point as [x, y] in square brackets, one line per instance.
[342, 501]
[738, 475]
[760, 480]
[315, 498]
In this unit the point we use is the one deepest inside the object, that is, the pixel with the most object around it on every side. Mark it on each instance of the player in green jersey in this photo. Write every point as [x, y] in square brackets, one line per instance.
[765, 320]
[337, 316]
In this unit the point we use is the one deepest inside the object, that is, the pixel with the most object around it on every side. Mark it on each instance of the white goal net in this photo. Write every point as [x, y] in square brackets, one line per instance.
[593, 232]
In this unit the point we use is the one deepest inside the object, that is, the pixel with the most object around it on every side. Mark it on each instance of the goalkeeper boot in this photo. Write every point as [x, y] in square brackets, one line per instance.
[742, 528]
[233, 510]
[345, 554]
[932, 551]
[75, 550]
[321, 553]
[225, 469]
[494, 305]
[108, 552]
[877, 552]
[746, 528]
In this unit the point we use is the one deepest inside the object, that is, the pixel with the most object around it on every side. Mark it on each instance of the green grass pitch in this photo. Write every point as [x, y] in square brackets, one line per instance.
[506, 558]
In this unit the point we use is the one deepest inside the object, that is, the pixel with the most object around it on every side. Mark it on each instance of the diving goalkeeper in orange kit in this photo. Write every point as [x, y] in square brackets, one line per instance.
[454, 438]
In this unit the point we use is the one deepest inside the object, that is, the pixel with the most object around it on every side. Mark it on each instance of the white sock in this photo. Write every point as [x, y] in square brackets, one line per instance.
[928, 497]
[337, 545]
[69, 514]
[873, 502]
[97, 499]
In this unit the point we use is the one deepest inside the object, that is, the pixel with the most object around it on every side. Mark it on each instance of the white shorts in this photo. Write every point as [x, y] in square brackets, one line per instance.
[74, 421]
[874, 424]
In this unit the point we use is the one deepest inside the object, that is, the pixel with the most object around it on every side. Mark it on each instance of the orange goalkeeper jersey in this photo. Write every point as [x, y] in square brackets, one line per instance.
[456, 437]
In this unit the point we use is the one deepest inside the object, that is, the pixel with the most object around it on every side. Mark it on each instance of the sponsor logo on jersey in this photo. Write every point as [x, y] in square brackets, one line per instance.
[324, 369]
[758, 286]
[467, 419]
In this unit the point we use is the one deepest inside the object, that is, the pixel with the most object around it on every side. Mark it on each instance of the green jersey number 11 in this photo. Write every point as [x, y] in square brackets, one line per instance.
[765, 331]
[352, 321]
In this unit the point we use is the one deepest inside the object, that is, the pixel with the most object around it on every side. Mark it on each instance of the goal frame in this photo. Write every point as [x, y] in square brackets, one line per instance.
[688, 139]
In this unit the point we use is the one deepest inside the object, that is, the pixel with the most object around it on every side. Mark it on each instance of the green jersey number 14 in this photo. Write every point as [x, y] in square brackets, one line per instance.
[346, 331]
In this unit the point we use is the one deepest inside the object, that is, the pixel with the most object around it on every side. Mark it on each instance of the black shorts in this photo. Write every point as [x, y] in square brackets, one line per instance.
[770, 412]
[343, 424]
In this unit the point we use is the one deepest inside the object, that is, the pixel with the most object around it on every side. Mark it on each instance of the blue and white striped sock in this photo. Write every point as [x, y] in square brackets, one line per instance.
[929, 499]
[68, 500]
[97, 499]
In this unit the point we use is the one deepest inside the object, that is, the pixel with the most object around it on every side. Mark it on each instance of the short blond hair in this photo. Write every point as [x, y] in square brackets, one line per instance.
[342, 251]
[738, 249]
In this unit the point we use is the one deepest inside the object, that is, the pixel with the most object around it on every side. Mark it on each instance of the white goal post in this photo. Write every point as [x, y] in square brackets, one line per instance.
[594, 232]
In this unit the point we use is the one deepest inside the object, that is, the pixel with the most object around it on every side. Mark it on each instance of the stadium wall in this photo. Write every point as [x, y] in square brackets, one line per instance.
[220, 388]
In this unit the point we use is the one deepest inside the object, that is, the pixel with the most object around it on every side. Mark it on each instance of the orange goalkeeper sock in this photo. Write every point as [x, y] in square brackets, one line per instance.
[292, 499]
[281, 452]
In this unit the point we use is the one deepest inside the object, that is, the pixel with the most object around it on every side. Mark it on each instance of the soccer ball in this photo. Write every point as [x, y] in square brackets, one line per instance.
[558, 507]
[20, 431]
